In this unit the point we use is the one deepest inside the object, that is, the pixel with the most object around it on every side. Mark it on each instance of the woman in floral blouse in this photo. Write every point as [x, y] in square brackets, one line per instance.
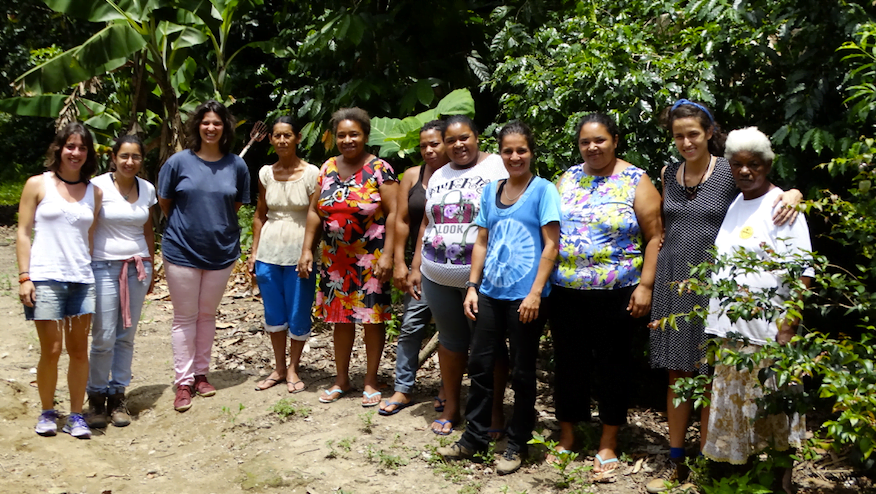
[610, 228]
[355, 203]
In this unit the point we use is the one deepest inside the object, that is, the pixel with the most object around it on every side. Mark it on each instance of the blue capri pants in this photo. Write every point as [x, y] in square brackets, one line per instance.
[288, 299]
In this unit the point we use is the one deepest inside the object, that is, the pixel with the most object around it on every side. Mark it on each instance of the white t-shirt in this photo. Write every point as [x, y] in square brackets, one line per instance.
[119, 232]
[749, 224]
[453, 200]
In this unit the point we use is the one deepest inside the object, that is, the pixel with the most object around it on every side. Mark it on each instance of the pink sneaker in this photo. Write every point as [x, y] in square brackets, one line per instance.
[183, 400]
[204, 388]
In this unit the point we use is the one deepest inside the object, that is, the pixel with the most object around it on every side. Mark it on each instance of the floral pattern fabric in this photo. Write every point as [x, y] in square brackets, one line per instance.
[735, 430]
[600, 239]
[354, 228]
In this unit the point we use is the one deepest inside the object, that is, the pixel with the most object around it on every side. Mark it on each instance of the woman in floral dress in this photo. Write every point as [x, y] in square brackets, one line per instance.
[355, 203]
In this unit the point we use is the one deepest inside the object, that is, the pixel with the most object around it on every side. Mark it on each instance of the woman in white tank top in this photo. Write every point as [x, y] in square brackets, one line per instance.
[55, 277]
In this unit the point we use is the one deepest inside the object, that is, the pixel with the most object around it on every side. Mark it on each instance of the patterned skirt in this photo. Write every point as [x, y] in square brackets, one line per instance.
[735, 433]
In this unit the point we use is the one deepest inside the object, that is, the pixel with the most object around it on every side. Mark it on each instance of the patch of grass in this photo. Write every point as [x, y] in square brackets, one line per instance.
[288, 407]
[346, 443]
[452, 471]
[473, 488]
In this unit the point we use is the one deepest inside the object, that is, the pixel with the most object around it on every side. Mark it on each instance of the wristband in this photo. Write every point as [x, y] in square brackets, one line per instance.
[22, 279]
[23, 272]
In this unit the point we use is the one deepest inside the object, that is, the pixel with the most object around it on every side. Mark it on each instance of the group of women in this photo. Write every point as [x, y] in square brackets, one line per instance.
[497, 252]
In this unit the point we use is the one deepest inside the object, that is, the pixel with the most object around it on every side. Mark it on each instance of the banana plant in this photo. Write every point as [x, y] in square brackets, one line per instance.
[150, 37]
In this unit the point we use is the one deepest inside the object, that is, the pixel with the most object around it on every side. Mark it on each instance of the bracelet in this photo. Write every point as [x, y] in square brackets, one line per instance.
[23, 272]
[22, 279]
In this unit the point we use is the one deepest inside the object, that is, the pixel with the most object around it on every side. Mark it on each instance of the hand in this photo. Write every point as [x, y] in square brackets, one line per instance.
[784, 337]
[470, 304]
[305, 264]
[640, 301]
[528, 309]
[151, 283]
[400, 276]
[27, 293]
[788, 212]
[250, 264]
[662, 238]
[654, 324]
[415, 283]
[383, 269]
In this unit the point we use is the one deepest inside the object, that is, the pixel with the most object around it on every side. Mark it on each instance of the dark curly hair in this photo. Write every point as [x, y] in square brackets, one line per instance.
[53, 155]
[355, 114]
[694, 109]
[601, 119]
[228, 123]
[438, 125]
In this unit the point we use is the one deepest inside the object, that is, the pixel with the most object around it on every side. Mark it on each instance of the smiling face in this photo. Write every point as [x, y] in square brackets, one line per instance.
[597, 147]
[516, 155]
[210, 129]
[750, 172]
[74, 153]
[284, 139]
[350, 139]
[129, 160]
[691, 140]
[462, 144]
[432, 148]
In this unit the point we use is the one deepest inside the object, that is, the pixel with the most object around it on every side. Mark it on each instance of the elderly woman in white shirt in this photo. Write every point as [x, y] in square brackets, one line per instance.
[737, 428]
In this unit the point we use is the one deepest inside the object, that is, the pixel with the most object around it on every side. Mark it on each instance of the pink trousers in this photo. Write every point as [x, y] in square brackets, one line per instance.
[195, 294]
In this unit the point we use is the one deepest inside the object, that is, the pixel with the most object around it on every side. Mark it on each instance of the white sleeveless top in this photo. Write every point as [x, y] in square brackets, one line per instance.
[60, 249]
[282, 235]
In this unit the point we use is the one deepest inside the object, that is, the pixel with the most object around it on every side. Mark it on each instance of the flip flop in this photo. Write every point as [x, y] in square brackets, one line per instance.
[440, 407]
[270, 380]
[606, 462]
[398, 407]
[328, 395]
[442, 423]
[295, 388]
[367, 395]
[556, 454]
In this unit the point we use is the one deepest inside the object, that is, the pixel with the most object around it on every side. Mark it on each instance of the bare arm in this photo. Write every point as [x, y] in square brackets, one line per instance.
[166, 205]
[98, 203]
[402, 228]
[415, 278]
[149, 234]
[311, 239]
[388, 195]
[31, 195]
[550, 234]
[258, 221]
[648, 214]
[478, 258]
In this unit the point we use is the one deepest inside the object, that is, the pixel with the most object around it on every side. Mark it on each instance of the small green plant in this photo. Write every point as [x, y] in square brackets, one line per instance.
[453, 471]
[332, 454]
[232, 415]
[288, 407]
[346, 444]
[625, 458]
[569, 476]
[488, 456]
[473, 488]
[384, 460]
[367, 421]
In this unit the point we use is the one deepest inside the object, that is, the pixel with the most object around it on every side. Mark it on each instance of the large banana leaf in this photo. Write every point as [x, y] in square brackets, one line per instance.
[47, 105]
[107, 50]
[103, 11]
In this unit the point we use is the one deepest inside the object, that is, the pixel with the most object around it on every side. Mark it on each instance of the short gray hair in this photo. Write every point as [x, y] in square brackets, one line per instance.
[749, 139]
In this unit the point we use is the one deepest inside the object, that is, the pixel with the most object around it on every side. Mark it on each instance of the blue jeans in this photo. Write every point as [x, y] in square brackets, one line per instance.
[56, 300]
[413, 330]
[112, 345]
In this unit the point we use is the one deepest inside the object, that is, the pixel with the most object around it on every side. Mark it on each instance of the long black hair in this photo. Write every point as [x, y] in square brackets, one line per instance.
[53, 155]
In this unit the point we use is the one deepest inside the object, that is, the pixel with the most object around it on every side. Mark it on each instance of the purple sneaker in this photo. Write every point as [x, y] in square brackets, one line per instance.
[47, 424]
[77, 427]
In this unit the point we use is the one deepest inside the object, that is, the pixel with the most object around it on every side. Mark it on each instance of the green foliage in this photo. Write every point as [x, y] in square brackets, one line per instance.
[287, 407]
[385, 460]
[570, 477]
[367, 419]
[232, 415]
[10, 191]
[245, 216]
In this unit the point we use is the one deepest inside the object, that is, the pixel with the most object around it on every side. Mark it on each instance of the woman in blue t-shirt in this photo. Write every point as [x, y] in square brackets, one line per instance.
[512, 259]
[200, 190]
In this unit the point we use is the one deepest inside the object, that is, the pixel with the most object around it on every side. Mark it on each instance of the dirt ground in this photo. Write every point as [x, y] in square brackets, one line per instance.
[235, 442]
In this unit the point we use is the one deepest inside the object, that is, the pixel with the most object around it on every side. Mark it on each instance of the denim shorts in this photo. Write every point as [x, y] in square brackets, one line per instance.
[288, 299]
[56, 300]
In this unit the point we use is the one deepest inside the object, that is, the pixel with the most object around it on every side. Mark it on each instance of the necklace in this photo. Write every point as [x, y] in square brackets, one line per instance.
[691, 192]
[508, 196]
[68, 182]
[124, 196]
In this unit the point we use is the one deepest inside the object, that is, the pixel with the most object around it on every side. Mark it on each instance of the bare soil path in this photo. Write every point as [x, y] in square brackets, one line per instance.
[234, 442]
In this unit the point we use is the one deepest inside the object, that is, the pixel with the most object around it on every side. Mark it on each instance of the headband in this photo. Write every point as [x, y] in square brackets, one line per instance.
[695, 105]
